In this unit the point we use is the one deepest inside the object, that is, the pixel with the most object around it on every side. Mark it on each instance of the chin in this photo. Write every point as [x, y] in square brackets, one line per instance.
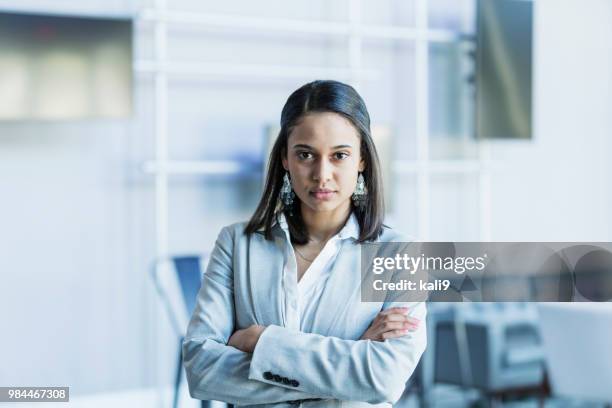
[321, 206]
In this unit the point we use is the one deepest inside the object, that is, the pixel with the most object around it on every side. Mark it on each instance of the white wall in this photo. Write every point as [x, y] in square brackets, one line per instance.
[75, 217]
[558, 186]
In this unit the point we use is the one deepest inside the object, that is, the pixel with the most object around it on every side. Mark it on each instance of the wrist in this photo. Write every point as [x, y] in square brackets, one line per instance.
[258, 331]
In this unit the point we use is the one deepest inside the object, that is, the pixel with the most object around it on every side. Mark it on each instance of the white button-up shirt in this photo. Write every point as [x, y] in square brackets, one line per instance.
[302, 298]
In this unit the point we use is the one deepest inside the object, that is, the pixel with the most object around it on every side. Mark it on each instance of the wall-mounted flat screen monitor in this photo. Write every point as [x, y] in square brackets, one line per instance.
[64, 67]
[504, 69]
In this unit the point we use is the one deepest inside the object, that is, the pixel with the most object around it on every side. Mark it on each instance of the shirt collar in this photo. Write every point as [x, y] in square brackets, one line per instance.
[350, 229]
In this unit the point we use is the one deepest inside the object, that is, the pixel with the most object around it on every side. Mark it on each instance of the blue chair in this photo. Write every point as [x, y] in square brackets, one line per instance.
[178, 280]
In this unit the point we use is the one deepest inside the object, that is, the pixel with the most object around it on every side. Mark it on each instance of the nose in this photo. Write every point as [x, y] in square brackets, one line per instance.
[322, 171]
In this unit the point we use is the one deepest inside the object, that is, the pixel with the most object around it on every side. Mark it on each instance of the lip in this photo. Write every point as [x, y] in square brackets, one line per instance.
[322, 194]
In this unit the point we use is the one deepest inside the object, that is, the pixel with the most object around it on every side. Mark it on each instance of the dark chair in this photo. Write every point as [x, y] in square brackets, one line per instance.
[491, 347]
[178, 280]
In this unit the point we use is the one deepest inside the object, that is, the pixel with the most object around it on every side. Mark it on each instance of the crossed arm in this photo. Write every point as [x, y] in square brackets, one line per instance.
[389, 324]
[330, 368]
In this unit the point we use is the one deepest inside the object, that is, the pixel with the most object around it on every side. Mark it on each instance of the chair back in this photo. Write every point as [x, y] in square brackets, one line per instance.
[178, 280]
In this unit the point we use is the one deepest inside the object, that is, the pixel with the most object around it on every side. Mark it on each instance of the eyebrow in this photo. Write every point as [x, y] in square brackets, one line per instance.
[305, 146]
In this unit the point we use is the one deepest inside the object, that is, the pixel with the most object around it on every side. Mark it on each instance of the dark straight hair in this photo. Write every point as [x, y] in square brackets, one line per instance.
[321, 96]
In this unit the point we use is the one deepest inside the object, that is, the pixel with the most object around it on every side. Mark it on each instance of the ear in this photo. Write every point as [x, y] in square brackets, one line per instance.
[285, 162]
[361, 165]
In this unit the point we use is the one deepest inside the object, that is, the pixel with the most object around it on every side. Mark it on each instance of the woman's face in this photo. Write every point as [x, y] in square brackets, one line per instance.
[323, 160]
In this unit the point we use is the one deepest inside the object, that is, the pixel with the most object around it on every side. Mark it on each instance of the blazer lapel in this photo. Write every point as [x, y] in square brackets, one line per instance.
[265, 263]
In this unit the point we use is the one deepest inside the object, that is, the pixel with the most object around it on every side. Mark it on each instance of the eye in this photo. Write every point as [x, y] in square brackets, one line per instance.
[340, 155]
[304, 155]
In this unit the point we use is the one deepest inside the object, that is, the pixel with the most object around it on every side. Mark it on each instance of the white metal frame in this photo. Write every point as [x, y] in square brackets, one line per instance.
[355, 32]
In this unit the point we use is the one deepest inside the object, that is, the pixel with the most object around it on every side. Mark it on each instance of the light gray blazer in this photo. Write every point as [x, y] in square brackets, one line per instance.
[242, 286]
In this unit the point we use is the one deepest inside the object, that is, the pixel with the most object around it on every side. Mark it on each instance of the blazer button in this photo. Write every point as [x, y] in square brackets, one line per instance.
[294, 383]
[277, 378]
[267, 375]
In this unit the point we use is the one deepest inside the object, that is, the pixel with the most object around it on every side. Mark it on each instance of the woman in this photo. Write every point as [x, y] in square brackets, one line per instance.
[279, 318]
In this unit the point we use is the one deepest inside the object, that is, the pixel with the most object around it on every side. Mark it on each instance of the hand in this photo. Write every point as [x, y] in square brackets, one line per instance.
[389, 324]
[246, 339]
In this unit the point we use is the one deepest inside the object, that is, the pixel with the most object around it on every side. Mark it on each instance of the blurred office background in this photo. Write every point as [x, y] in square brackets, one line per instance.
[140, 149]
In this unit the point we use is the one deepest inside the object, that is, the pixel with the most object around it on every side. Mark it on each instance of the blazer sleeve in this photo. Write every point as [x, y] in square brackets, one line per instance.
[216, 371]
[357, 370]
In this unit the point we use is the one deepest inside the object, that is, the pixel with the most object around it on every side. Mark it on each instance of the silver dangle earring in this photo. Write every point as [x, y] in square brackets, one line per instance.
[361, 192]
[286, 194]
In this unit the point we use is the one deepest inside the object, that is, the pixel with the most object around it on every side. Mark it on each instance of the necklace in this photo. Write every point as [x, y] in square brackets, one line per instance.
[306, 259]
[302, 256]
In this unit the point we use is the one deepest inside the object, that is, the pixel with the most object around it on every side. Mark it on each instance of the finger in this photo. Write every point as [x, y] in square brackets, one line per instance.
[411, 326]
[395, 317]
[401, 318]
[401, 325]
[390, 326]
[393, 334]
[400, 310]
